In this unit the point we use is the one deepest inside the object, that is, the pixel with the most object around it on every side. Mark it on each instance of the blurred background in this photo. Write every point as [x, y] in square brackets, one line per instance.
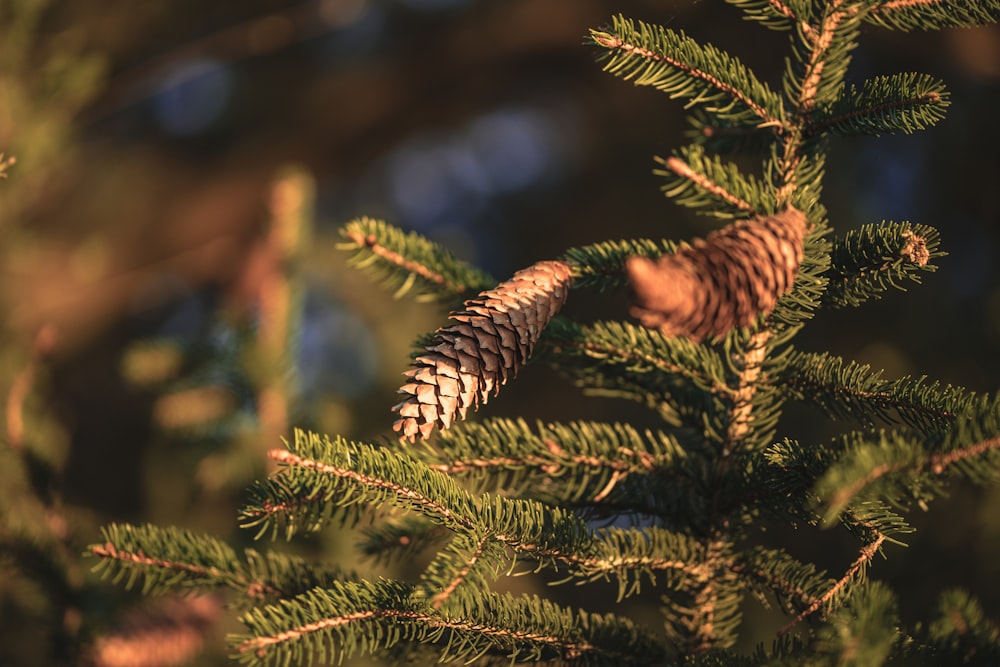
[174, 301]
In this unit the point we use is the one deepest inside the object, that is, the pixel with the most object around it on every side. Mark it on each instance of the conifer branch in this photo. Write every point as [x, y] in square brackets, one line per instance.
[700, 181]
[408, 261]
[933, 14]
[619, 346]
[678, 65]
[774, 14]
[170, 559]
[371, 616]
[706, 602]
[831, 41]
[867, 553]
[442, 596]
[837, 14]
[777, 573]
[697, 180]
[576, 462]
[108, 551]
[936, 463]
[409, 496]
[847, 389]
[371, 243]
[884, 105]
[869, 260]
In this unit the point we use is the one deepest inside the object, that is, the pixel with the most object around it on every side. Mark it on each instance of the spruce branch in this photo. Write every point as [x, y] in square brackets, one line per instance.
[492, 339]
[869, 260]
[174, 560]
[806, 295]
[166, 559]
[795, 585]
[864, 631]
[904, 102]
[323, 474]
[696, 180]
[674, 63]
[933, 14]
[855, 574]
[344, 477]
[774, 14]
[469, 562]
[367, 617]
[813, 77]
[577, 462]
[746, 391]
[672, 375]
[824, 54]
[409, 262]
[631, 555]
[960, 633]
[905, 466]
[850, 390]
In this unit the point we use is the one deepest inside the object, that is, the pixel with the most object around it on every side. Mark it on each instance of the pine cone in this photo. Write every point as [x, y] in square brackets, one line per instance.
[493, 338]
[722, 281]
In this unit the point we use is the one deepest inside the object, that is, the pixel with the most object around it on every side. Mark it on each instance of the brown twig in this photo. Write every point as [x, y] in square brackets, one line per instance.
[683, 170]
[867, 553]
[568, 648]
[393, 257]
[446, 592]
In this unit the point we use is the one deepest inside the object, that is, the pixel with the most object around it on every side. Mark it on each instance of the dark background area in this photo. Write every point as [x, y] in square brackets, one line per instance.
[486, 126]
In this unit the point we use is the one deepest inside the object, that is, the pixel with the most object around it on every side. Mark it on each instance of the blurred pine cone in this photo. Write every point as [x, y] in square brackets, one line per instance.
[722, 281]
[493, 338]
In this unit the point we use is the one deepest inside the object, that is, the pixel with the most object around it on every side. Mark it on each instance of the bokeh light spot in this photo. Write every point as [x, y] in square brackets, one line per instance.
[193, 96]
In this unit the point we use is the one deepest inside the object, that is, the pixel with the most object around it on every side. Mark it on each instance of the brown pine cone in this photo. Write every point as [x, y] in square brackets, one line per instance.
[722, 281]
[493, 338]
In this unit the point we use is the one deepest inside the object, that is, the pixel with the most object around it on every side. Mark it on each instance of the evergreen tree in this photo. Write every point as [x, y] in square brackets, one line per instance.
[679, 508]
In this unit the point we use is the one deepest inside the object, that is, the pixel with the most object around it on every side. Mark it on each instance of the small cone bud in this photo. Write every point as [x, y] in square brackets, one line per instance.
[470, 360]
[722, 281]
